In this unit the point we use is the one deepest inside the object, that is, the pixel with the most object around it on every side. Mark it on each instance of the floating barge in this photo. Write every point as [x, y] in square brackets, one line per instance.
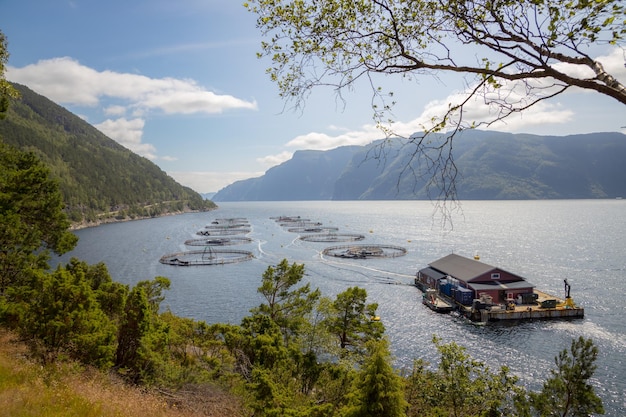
[486, 293]
[435, 302]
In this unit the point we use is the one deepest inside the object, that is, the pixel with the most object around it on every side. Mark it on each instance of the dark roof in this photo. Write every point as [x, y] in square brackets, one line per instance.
[432, 273]
[466, 269]
[496, 285]
[460, 267]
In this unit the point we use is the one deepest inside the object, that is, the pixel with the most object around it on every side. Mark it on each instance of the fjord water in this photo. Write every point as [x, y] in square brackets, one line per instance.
[583, 241]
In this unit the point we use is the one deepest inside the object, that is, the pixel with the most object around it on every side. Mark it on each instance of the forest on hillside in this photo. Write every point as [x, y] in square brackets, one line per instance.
[99, 179]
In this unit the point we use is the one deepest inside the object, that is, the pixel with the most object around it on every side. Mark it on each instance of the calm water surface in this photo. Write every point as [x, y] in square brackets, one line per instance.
[544, 241]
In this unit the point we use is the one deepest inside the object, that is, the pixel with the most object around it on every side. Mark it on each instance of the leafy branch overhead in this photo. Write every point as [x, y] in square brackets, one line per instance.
[514, 54]
[546, 44]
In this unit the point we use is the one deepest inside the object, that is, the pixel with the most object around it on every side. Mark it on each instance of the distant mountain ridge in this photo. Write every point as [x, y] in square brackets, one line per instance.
[308, 175]
[491, 166]
[100, 180]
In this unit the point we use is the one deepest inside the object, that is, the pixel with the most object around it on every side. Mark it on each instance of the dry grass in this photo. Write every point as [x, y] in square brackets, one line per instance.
[27, 389]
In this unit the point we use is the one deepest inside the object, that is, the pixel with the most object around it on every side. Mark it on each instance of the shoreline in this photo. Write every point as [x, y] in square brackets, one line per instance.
[108, 220]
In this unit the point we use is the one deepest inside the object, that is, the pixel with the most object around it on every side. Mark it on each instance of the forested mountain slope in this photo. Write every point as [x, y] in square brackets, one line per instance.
[491, 166]
[98, 178]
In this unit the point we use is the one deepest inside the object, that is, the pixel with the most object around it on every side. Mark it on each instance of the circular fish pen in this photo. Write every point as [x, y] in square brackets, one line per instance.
[312, 229]
[365, 251]
[222, 232]
[300, 224]
[289, 219]
[207, 256]
[332, 237]
[218, 241]
[226, 226]
[230, 220]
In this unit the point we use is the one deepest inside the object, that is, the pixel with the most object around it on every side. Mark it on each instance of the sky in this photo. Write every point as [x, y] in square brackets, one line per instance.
[179, 82]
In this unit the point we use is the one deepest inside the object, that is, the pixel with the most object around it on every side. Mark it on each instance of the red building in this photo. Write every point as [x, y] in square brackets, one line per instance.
[467, 279]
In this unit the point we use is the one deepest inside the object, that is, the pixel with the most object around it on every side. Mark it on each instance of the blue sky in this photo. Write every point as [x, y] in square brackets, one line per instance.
[179, 82]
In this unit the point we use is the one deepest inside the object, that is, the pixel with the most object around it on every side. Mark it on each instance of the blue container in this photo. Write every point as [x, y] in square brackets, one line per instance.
[464, 296]
[445, 288]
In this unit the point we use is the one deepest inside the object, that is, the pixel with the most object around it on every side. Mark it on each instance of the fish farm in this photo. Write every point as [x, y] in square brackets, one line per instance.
[301, 224]
[219, 241]
[226, 226]
[208, 256]
[222, 232]
[332, 237]
[365, 251]
[231, 220]
[319, 233]
[289, 219]
[312, 229]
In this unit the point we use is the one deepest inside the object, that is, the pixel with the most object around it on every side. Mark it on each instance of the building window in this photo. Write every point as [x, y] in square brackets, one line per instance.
[495, 275]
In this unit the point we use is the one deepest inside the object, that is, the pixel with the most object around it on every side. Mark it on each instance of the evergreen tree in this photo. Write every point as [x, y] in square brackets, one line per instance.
[462, 387]
[378, 390]
[287, 305]
[568, 393]
[110, 294]
[351, 320]
[6, 89]
[59, 314]
[32, 221]
[143, 336]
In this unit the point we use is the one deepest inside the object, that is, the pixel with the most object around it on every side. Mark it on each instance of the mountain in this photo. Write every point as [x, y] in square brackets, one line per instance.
[491, 166]
[308, 175]
[100, 180]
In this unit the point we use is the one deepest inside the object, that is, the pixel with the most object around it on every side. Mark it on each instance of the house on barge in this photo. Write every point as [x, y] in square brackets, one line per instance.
[487, 293]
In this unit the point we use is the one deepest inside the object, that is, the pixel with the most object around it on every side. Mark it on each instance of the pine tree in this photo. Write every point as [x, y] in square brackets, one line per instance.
[568, 393]
[143, 336]
[286, 303]
[59, 314]
[378, 390]
[32, 221]
[351, 321]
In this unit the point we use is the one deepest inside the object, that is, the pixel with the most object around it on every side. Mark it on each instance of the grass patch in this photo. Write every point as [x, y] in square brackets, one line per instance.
[29, 390]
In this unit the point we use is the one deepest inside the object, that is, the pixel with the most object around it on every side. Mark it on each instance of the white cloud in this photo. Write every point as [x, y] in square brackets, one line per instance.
[613, 64]
[208, 181]
[128, 133]
[115, 110]
[273, 160]
[324, 141]
[475, 110]
[65, 80]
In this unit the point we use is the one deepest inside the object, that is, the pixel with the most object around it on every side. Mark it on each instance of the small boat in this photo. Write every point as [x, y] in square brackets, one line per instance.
[432, 300]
